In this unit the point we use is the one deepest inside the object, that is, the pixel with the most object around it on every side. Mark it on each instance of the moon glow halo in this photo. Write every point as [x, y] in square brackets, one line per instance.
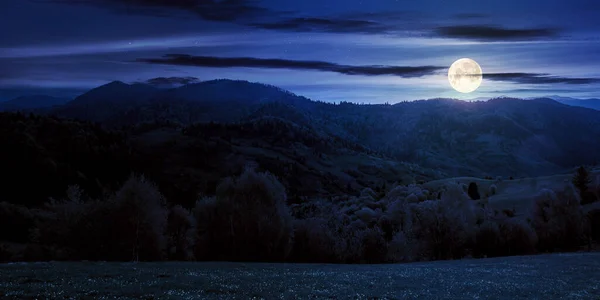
[465, 75]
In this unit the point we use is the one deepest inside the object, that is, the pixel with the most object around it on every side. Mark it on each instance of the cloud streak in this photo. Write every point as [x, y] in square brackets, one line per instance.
[212, 10]
[169, 81]
[326, 25]
[536, 78]
[494, 33]
[250, 62]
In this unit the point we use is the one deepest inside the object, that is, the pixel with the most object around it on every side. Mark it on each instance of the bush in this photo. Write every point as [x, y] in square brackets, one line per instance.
[558, 220]
[15, 223]
[398, 213]
[443, 228]
[366, 214]
[66, 226]
[412, 198]
[509, 212]
[142, 219]
[314, 241]
[473, 191]
[5, 255]
[368, 192]
[247, 220]
[596, 187]
[518, 237]
[374, 246]
[415, 193]
[181, 234]
[581, 179]
[593, 217]
[487, 240]
[400, 248]
[588, 197]
[493, 190]
[128, 226]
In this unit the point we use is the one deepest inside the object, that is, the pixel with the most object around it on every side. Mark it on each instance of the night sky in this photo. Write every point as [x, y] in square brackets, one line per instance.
[369, 51]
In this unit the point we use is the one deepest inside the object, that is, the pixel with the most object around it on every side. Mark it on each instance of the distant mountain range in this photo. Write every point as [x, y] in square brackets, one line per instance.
[32, 102]
[502, 136]
[589, 103]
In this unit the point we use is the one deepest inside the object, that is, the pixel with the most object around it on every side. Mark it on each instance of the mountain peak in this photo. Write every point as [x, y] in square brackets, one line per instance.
[116, 83]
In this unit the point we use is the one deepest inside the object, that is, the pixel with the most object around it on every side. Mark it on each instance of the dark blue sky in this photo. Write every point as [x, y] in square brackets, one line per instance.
[369, 51]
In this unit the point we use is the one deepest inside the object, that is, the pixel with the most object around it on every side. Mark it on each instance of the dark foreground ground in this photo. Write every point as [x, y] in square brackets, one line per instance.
[556, 276]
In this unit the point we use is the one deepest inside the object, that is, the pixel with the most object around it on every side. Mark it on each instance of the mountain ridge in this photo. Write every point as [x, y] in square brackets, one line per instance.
[501, 136]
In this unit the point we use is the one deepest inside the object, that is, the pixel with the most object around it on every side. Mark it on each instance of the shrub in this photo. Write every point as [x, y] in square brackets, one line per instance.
[398, 213]
[141, 216]
[518, 237]
[596, 186]
[464, 187]
[387, 227]
[5, 254]
[401, 192]
[128, 226]
[443, 228]
[487, 240]
[15, 223]
[368, 192]
[396, 193]
[247, 220]
[509, 212]
[181, 233]
[314, 241]
[581, 179]
[473, 191]
[412, 198]
[400, 248]
[593, 217]
[60, 224]
[558, 220]
[588, 197]
[366, 214]
[374, 246]
[493, 190]
[207, 226]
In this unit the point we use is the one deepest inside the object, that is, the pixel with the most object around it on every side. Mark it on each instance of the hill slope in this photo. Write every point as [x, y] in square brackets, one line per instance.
[502, 136]
[49, 154]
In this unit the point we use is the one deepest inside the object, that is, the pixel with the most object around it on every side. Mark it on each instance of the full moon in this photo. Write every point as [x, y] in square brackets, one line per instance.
[465, 75]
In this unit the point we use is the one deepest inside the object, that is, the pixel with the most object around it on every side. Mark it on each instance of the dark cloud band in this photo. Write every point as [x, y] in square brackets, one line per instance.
[172, 80]
[213, 10]
[492, 33]
[326, 25]
[535, 78]
[230, 62]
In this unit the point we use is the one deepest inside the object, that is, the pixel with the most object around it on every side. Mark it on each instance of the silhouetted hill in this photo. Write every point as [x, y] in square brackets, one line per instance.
[194, 159]
[103, 103]
[588, 103]
[53, 153]
[502, 136]
[26, 103]
[41, 156]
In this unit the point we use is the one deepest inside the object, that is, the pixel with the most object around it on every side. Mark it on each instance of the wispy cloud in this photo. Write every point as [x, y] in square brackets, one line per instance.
[212, 10]
[171, 81]
[250, 62]
[325, 25]
[494, 33]
[535, 78]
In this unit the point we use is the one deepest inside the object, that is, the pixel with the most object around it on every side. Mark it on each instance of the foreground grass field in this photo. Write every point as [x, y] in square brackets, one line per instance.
[554, 276]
